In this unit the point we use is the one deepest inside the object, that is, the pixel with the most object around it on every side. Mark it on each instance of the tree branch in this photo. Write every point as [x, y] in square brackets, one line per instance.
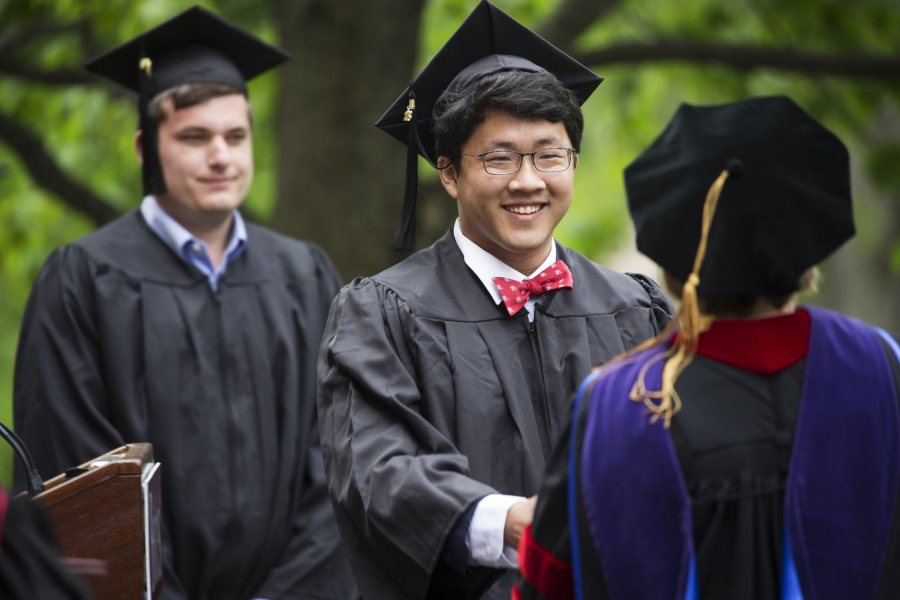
[48, 174]
[51, 77]
[746, 57]
[13, 38]
[571, 18]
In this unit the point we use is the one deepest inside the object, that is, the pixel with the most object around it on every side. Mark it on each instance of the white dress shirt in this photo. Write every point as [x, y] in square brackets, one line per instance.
[485, 537]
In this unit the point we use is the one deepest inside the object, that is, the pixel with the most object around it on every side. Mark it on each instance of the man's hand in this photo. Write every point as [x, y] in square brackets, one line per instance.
[518, 517]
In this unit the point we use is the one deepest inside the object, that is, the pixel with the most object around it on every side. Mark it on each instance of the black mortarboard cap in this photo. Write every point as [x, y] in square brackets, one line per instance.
[195, 46]
[784, 207]
[488, 41]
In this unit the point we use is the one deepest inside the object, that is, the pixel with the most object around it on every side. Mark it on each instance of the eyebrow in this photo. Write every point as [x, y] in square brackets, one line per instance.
[541, 143]
[201, 129]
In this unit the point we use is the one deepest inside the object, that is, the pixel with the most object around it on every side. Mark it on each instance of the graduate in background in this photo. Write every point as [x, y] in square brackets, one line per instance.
[181, 325]
[754, 451]
[439, 402]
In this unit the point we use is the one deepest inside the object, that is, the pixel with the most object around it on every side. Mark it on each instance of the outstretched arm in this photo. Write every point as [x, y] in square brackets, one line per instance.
[398, 484]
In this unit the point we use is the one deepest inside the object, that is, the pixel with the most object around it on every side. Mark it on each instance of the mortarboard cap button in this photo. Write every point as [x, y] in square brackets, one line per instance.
[735, 167]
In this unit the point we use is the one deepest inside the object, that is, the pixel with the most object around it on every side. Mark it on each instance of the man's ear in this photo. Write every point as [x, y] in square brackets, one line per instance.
[575, 161]
[448, 175]
[138, 146]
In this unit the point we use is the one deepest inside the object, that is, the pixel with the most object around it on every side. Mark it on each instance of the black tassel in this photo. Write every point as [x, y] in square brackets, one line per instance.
[152, 175]
[406, 232]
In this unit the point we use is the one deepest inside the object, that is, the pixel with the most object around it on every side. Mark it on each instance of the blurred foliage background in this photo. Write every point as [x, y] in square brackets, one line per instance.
[67, 162]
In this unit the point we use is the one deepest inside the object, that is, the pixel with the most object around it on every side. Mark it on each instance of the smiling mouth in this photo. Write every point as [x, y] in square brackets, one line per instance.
[217, 182]
[528, 209]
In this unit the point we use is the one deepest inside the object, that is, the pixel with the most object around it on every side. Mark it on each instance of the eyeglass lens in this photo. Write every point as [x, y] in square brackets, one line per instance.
[507, 162]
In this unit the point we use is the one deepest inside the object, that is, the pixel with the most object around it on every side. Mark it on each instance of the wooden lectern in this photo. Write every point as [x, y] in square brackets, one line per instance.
[106, 515]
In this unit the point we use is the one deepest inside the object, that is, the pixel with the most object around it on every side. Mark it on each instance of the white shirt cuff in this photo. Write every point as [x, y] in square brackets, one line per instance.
[484, 539]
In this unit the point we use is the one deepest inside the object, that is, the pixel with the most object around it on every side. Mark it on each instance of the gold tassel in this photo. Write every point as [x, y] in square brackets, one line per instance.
[665, 402]
[408, 113]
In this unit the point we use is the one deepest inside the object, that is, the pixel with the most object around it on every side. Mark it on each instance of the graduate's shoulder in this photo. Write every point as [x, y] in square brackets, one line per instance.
[422, 284]
[286, 253]
[436, 283]
[126, 250]
[413, 274]
[404, 281]
[598, 276]
[115, 245]
[120, 235]
[616, 289]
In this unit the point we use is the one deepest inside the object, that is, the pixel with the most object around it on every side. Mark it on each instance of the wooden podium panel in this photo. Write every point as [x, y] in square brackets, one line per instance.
[106, 513]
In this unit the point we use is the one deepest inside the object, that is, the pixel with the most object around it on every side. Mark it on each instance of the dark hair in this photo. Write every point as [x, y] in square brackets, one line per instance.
[185, 96]
[739, 307]
[523, 94]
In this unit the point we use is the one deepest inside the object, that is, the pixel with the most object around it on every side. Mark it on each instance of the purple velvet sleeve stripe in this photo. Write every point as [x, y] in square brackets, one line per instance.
[843, 478]
[636, 503]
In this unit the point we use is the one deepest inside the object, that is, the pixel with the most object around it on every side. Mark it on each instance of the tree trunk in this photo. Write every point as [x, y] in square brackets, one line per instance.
[341, 179]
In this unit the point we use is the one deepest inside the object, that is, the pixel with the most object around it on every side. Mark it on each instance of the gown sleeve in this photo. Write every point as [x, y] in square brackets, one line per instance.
[313, 565]
[60, 404]
[661, 309]
[398, 483]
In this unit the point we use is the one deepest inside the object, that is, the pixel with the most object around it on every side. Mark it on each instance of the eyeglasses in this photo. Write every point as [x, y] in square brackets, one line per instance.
[508, 162]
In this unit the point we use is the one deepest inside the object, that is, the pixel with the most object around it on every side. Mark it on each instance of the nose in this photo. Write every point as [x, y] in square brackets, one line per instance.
[219, 153]
[527, 178]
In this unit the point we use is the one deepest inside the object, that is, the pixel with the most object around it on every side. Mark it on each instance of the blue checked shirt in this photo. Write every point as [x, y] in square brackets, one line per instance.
[188, 247]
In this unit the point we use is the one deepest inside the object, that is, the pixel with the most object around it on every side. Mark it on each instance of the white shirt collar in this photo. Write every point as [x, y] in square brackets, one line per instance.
[176, 236]
[191, 249]
[487, 266]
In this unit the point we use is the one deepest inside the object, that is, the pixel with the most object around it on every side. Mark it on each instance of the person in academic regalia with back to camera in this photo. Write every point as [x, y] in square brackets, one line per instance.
[445, 379]
[181, 325]
[751, 451]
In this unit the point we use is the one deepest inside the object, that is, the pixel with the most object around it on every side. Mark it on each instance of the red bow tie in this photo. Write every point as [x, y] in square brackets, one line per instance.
[515, 293]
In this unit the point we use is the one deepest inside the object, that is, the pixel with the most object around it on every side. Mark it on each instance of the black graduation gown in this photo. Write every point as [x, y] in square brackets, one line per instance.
[123, 341]
[733, 439]
[30, 565]
[431, 397]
